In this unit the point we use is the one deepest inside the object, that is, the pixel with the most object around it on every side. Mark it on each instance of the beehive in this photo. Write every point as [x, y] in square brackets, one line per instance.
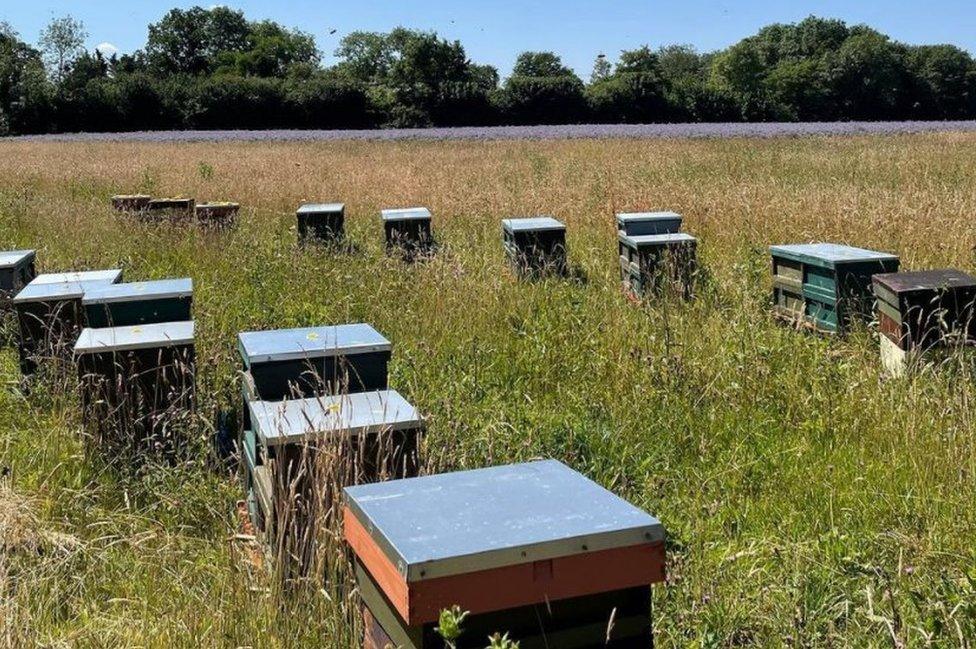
[826, 286]
[535, 550]
[217, 215]
[50, 315]
[131, 202]
[134, 303]
[376, 433]
[16, 271]
[176, 208]
[637, 224]
[408, 228]
[535, 245]
[922, 310]
[306, 362]
[137, 386]
[321, 222]
[652, 263]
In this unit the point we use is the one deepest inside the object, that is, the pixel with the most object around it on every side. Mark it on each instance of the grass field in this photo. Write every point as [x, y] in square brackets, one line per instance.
[808, 502]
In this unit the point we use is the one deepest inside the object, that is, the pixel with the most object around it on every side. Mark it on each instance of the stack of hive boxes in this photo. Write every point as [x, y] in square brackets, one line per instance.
[136, 364]
[311, 393]
[826, 286]
[534, 550]
[654, 254]
[923, 310]
[535, 246]
[50, 314]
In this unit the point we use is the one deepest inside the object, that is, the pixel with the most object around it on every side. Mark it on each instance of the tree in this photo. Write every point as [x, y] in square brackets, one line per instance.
[602, 68]
[540, 64]
[635, 92]
[190, 41]
[869, 76]
[944, 82]
[25, 95]
[62, 41]
[270, 51]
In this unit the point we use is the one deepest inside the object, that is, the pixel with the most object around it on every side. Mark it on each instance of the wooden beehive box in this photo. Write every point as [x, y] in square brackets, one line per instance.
[377, 434]
[408, 228]
[826, 286]
[50, 315]
[642, 223]
[536, 245]
[217, 215]
[653, 263]
[16, 271]
[321, 222]
[131, 202]
[137, 386]
[134, 303]
[180, 209]
[535, 550]
[928, 308]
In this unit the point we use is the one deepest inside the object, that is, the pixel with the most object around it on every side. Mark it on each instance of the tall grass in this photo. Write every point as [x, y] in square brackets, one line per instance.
[808, 502]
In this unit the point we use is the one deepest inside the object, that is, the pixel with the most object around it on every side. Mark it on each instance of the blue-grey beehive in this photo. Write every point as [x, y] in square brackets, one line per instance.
[16, 271]
[50, 314]
[651, 263]
[321, 222]
[826, 286]
[641, 223]
[137, 387]
[535, 549]
[377, 433]
[134, 303]
[535, 245]
[408, 229]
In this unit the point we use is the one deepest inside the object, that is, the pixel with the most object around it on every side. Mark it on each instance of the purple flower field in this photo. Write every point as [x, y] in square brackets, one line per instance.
[574, 131]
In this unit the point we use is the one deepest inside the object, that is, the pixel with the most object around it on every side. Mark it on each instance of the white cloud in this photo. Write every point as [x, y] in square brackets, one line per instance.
[107, 49]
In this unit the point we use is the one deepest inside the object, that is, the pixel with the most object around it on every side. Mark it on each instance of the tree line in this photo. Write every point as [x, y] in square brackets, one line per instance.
[214, 68]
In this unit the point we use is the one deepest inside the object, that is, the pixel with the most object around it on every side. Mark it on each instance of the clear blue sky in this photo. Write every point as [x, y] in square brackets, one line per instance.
[495, 31]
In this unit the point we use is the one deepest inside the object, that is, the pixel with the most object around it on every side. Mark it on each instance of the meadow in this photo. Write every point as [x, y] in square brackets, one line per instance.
[808, 501]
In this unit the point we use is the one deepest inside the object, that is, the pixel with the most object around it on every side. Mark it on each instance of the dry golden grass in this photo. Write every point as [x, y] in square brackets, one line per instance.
[807, 501]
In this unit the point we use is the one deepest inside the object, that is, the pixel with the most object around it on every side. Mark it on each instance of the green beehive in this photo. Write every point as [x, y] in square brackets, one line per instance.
[134, 303]
[652, 263]
[826, 286]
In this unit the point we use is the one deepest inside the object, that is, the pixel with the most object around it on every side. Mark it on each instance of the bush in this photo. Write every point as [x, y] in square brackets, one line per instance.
[321, 103]
[629, 97]
[544, 100]
[238, 103]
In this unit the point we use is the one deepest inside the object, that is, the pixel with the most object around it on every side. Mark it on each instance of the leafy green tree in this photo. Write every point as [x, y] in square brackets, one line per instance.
[870, 77]
[62, 41]
[944, 79]
[25, 94]
[540, 64]
[635, 92]
[602, 69]
[190, 41]
[270, 51]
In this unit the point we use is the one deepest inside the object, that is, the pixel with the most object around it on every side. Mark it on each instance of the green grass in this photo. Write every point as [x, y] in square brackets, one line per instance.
[807, 501]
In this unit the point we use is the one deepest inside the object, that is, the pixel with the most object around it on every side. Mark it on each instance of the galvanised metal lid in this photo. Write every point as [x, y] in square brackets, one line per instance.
[55, 291]
[12, 258]
[136, 291]
[925, 280]
[638, 240]
[829, 254]
[532, 224]
[318, 208]
[457, 523]
[406, 214]
[647, 217]
[310, 342]
[117, 339]
[296, 420]
[104, 276]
